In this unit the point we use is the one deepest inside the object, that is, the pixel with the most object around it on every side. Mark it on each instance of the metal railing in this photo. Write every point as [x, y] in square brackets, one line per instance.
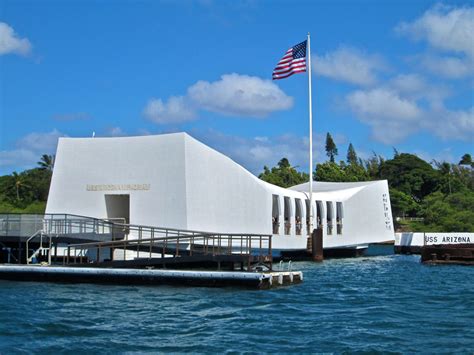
[107, 234]
[252, 248]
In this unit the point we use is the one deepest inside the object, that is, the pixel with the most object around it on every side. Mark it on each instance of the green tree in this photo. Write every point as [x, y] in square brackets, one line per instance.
[411, 175]
[402, 204]
[19, 184]
[283, 174]
[372, 166]
[46, 162]
[331, 149]
[329, 171]
[451, 213]
[352, 155]
[356, 172]
[467, 160]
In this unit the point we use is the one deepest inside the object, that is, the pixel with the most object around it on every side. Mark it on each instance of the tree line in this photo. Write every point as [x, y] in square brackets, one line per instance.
[27, 192]
[439, 193]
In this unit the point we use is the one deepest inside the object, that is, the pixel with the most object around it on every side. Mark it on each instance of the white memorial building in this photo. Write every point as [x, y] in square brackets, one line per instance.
[175, 181]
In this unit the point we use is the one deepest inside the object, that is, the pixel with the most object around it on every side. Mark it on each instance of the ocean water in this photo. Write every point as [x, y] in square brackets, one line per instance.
[378, 303]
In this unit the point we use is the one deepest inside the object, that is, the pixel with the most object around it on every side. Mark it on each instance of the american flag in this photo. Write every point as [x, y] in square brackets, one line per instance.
[294, 61]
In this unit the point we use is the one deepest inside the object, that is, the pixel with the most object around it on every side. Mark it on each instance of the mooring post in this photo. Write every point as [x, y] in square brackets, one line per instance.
[317, 245]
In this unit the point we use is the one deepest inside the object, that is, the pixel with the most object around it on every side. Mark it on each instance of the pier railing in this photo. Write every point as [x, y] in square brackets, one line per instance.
[108, 240]
[246, 248]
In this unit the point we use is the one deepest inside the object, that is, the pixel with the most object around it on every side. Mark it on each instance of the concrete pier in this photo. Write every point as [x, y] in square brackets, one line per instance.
[255, 280]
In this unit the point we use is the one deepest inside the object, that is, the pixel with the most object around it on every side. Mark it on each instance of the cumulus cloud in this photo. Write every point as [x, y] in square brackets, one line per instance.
[449, 66]
[395, 114]
[115, 132]
[231, 95]
[417, 87]
[350, 65]
[444, 27]
[391, 116]
[239, 95]
[177, 109]
[383, 103]
[29, 149]
[448, 124]
[11, 43]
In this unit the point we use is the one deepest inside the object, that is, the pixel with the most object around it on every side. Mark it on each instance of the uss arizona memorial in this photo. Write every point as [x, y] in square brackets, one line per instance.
[175, 181]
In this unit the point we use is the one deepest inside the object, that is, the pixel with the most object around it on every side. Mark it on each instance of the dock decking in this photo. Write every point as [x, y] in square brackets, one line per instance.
[255, 280]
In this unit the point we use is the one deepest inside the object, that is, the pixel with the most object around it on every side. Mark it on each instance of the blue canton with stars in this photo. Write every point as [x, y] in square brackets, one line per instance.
[299, 51]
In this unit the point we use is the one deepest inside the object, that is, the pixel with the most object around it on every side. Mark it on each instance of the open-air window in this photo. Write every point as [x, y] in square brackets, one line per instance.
[320, 214]
[329, 216]
[287, 215]
[339, 217]
[298, 216]
[275, 214]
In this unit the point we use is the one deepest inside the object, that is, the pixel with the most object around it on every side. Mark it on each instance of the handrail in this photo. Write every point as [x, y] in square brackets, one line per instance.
[124, 236]
[173, 246]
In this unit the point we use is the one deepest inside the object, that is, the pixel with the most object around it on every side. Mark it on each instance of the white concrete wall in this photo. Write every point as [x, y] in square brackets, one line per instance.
[221, 195]
[154, 160]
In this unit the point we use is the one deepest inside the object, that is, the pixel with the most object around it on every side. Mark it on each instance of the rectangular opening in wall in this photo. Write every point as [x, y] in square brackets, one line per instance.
[329, 216]
[287, 215]
[339, 217]
[275, 214]
[319, 214]
[298, 216]
[118, 208]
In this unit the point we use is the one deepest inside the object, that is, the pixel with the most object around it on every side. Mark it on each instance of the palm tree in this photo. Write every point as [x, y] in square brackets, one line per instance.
[46, 162]
[19, 183]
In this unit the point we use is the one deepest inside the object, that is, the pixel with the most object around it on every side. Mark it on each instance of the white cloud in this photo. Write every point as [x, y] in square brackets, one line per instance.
[176, 109]
[239, 95]
[40, 142]
[383, 103]
[448, 66]
[17, 157]
[444, 27]
[11, 43]
[416, 87]
[231, 95]
[390, 116]
[350, 65]
[393, 115]
[115, 132]
[28, 150]
[448, 124]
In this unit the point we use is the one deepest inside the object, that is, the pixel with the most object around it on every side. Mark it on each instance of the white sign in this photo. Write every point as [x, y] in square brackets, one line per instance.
[118, 187]
[449, 238]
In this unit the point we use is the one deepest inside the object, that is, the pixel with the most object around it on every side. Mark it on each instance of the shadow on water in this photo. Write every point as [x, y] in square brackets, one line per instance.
[380, 302]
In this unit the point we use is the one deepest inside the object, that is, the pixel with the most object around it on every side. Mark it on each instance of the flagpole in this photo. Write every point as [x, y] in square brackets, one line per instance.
[308, 58]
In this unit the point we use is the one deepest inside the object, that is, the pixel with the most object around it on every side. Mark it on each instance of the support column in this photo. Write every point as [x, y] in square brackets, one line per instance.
[317, 245]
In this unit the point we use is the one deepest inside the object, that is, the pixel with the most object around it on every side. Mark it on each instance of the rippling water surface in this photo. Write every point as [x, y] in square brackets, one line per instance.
[388, 303]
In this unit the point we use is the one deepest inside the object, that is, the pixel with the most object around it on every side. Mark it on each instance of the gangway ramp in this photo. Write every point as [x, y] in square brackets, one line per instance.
[82, 240]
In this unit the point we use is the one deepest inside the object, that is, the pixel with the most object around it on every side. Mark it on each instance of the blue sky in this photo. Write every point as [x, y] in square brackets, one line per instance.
[385, 74]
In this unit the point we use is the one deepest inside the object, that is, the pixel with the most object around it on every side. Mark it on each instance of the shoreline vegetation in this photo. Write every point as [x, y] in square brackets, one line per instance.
[429, 197]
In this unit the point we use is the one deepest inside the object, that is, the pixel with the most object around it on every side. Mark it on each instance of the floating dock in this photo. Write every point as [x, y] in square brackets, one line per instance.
[254, 280]
[78, 249]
